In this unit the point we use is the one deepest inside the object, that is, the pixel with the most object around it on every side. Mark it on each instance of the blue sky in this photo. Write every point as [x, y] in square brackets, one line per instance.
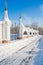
[31, 10]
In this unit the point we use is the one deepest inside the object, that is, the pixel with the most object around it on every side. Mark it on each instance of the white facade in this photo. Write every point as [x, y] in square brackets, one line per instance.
[25, 31]
[0, 31]
[5, 28]
[7, 24]
[20, 28]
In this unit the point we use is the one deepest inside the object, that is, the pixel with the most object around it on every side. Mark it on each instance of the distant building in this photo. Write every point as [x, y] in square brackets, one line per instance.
[5, 28]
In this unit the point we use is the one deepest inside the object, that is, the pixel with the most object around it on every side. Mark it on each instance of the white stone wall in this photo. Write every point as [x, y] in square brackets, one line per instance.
[8, 32]
[3, 29]
[22, 29]
[6, 27]
[0, 30]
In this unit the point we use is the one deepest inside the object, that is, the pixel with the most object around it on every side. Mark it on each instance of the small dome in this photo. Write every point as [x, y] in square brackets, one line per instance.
[20, 17]
[5, 9]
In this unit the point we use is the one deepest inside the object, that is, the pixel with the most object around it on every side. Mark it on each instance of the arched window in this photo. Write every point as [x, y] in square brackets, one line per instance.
[30, 33]
[33, 33]
[25, 33]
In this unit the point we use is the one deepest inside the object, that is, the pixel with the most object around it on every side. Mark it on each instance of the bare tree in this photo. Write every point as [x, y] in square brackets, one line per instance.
[34, 25]
[40, 30]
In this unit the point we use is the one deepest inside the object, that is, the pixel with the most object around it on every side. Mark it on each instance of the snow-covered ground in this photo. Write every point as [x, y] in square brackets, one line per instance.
[14, 51]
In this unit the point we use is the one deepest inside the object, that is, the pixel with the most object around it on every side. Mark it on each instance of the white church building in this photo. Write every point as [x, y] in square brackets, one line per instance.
[25, 31]
[5, 28]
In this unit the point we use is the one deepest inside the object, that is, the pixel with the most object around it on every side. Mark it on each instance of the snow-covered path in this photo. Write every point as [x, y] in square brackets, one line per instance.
[18, 47]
